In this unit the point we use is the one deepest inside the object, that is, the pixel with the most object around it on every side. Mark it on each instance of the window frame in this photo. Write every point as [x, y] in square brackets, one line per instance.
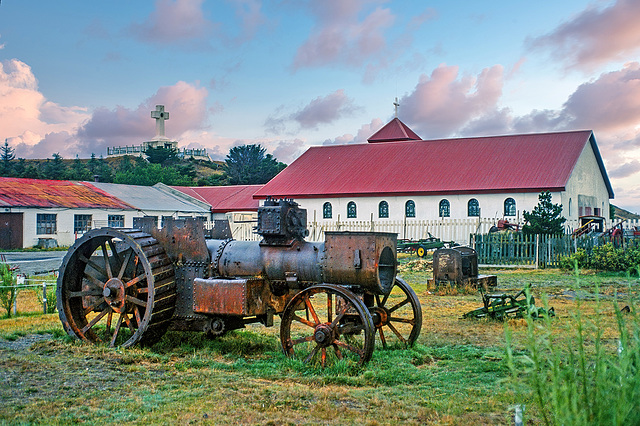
[82, 223]
[327, 210]
[352, 210]
[444, 208]
[473, 208]
[510, 207]
[383, 210]
[46, 223]
[410, 208]
[115, 221]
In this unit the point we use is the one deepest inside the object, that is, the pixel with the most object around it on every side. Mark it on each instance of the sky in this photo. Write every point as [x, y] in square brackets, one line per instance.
[79, 76]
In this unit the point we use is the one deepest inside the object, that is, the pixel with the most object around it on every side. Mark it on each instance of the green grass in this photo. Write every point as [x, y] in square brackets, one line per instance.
[457, 373]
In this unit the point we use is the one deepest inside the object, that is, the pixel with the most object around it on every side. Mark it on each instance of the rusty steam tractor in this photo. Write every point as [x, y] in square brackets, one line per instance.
[128, 286]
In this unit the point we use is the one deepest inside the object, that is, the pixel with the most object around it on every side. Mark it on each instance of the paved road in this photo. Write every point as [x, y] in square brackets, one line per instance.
[33, 263]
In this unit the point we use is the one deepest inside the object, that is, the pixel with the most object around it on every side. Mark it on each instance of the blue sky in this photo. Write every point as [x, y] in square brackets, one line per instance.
[78, 76]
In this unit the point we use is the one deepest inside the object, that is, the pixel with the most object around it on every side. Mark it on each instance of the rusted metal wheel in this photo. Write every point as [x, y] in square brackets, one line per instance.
[327, 323]
[116, 287]
[398, 315]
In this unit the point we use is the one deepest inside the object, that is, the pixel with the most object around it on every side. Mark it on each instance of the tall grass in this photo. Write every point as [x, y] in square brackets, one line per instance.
[587, 375]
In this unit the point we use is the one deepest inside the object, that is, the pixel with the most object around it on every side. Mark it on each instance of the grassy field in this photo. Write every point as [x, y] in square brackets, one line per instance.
[457, 373]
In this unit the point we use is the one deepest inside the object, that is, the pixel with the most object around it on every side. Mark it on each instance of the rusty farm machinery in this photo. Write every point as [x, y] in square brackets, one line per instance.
[124, 287]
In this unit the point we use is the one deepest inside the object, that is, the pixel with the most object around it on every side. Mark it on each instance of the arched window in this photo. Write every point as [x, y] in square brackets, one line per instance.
[327, 211]
[444, 209]
[509, 207]
[569, 212]
[410, 209]
[351, 210]
[473, 208]
[383, 209]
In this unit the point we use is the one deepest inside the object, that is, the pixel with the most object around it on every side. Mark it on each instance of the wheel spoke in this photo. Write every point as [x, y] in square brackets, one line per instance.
[302, 340]
[115, 254]
[84, 293]
[339, 316]
[397, 333]
[116, 330]
[136, 280]
[93, 264]
[109, 318]
[136, 311]
[399, 305]
[307, 302]
[384, 300]
[348, 347]
[337, 351]
[124, 265]
[403, 320]
[329, 307]
[323, 357]
[93, 280]
[95, 320]
[136, 301]
[382, 338]
[378, 300]
[312, 354]
[304, 321]
[128, 322]
[105, 255]
[92, 307]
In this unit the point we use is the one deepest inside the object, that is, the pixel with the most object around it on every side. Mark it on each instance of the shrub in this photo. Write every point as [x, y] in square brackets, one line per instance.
[8, 291]
[605, 257]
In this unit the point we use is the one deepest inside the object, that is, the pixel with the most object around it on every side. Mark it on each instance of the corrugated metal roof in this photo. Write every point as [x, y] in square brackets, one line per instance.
[224, 198]
[395, 130]
[148, 198]
[514, 163]
[18, 192]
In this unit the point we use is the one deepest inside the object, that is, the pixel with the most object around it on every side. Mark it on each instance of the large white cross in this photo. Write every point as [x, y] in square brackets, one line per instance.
[396, 105]
[160, 115]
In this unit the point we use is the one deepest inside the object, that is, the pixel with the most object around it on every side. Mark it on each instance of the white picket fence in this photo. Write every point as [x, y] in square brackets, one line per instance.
[457, 230]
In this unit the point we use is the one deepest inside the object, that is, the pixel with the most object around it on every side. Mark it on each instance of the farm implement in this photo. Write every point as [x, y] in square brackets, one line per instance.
[503, 306]
[422, 246]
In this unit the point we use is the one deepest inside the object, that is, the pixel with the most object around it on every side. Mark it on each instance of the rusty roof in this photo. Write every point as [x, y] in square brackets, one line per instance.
[20, 192]
[224, 199]
[511, 163]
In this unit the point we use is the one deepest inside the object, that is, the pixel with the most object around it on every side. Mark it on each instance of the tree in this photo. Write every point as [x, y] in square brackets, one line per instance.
[247, 164]
[79, 171]
[161, 155]
[55, 168]
[545, 218]
[6, 155]
[8, 291]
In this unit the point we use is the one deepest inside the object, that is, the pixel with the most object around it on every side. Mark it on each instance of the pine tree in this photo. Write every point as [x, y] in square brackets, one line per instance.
[6, 155]
[545, 218]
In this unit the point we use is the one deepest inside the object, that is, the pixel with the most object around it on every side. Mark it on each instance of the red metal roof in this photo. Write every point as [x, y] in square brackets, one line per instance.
[224, 198]
[18, 192]
[514, 163]
[395, 130]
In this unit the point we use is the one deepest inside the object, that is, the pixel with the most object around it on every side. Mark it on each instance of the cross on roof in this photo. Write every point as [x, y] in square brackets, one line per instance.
[160, 115]
[396, 105]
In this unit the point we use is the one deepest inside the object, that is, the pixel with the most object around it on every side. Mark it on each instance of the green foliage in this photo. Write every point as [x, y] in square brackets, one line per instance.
[161, 155]
[79, 171]
[578, 378]
[545, 218]
[55, 168]
[51, 298]
[148, 174]
[248, 164]
[8, 291]
[6, 155]
[605, 257]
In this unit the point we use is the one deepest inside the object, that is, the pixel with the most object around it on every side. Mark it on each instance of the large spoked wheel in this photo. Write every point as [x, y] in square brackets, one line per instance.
[325, 324]
[116, 287]
[398, 315]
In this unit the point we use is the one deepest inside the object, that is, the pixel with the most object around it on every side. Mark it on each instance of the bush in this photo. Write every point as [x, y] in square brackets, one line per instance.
[603, 258]
[8, 291]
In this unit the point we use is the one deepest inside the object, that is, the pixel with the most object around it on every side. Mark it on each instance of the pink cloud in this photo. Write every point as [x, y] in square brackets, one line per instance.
[365, 131]
[321, 110]
[174, 22]
[341, 36]
[444, 102]
[595, 36]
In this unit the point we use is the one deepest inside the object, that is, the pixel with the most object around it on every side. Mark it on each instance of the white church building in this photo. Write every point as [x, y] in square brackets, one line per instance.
[398, 177]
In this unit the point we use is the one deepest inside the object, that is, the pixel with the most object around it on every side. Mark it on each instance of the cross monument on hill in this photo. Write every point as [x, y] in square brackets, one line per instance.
[160, 115]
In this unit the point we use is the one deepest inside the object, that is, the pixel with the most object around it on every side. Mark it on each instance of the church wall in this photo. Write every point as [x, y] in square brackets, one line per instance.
[426, 206]
[586, 188]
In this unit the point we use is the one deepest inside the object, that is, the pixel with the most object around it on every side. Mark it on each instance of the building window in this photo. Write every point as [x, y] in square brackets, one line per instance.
[569, 212]
[46, 224]
[509, 207]
[81, 223]
[444, 209]
[351, 210]
[473, 208]
[327, 211]
[410, 209]
[383, 209]
[116, 221]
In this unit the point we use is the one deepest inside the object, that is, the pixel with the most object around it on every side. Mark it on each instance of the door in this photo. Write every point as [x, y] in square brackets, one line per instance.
[11, 231]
